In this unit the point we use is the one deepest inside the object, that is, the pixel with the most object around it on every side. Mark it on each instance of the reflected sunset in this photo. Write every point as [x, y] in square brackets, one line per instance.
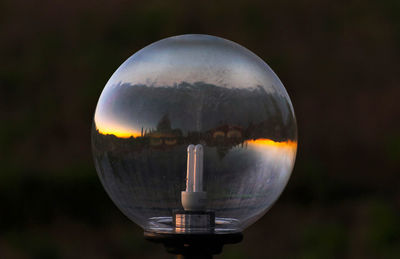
[120, 134]
[262, 142]
[118, 131]
[123, 132]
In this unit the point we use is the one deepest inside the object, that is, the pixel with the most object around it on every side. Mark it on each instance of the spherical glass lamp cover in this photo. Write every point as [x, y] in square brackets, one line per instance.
[194, 89]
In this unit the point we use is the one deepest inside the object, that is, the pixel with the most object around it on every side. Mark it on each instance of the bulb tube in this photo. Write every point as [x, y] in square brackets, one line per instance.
[190, 168]
[198, 165]
[194, 199]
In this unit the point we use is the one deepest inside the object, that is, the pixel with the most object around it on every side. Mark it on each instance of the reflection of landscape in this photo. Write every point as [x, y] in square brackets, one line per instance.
[126, 110]
[249, 139]
[223, 138]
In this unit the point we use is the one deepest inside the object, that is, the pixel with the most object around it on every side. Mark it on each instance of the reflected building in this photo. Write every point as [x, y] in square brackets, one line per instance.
[164, 136]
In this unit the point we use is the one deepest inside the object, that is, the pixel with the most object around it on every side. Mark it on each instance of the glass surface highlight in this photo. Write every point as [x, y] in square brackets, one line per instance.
[194, 89]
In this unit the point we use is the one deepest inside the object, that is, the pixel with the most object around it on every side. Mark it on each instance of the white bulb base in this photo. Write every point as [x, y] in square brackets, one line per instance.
[194, 201]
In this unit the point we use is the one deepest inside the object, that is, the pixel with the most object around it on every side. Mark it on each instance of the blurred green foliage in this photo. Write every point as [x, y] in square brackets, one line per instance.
[383, 233]
[324, 240]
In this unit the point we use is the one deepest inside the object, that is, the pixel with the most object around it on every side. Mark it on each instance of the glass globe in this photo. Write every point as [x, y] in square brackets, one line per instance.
[179, 94]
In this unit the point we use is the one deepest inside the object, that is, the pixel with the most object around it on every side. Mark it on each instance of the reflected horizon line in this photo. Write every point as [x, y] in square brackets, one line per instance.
[251, 141]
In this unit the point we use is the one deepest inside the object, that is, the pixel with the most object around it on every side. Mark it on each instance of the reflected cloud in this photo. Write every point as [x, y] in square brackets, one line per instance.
[180, 58]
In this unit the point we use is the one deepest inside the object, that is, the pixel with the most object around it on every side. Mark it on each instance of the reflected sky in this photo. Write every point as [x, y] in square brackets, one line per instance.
[110, 127]
[194, 58]
[262, 142]
[200, 82]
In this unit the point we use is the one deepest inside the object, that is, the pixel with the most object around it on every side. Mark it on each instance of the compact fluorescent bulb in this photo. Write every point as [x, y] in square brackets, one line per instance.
[194, 199]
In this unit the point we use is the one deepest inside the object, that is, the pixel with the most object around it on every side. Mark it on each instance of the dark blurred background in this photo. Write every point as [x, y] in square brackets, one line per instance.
[338, 61]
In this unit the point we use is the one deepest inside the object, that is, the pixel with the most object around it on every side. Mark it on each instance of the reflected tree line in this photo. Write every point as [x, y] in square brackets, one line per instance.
[164, 137]
[227, 110]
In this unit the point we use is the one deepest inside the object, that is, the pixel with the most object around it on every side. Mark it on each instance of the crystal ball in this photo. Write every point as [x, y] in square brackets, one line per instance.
[189, 90]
